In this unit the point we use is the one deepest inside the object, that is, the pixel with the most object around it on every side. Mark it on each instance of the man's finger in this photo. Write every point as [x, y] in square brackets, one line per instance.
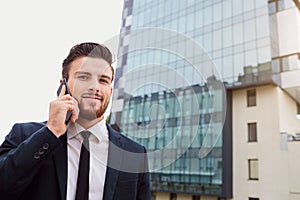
[63, 91]
[75, 111]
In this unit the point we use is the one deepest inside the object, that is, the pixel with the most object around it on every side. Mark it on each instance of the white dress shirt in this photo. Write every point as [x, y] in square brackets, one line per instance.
[98, 159]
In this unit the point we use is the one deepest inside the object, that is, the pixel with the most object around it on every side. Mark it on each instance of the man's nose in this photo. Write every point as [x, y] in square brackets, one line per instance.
[94, 85]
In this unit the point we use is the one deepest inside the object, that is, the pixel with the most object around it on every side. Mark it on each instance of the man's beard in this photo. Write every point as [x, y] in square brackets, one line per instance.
[91, 112]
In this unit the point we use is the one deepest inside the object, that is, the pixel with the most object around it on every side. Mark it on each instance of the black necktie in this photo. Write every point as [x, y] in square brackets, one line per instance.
[82, 190]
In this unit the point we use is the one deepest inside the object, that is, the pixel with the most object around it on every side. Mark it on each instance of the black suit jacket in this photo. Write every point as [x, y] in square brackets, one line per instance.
[33, 165]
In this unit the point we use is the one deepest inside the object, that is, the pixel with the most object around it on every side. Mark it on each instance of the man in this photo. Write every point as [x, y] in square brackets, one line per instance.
[43, 160]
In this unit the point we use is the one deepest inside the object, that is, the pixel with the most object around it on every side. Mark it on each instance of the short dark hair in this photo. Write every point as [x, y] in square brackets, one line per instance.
[87, 49]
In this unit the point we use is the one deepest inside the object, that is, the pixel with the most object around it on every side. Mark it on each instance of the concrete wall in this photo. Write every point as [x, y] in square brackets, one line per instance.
[288, 31]
[275, 113]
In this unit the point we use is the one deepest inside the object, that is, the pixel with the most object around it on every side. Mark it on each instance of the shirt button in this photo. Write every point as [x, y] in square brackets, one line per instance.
[46, 146]
[36, 155]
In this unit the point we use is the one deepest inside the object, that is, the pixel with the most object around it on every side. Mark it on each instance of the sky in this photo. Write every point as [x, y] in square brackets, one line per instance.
[35, 37]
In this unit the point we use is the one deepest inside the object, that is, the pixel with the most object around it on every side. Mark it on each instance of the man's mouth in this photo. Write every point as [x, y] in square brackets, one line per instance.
[92, 97]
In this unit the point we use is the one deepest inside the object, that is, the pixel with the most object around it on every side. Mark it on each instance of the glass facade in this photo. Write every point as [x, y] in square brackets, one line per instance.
[170, 120]
[232, 32]
[175, 59]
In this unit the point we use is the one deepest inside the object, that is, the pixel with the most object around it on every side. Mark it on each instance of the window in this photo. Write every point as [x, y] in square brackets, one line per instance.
[252, 132]
[253, 198]
[153, 196]
[173, 196]
[253, 169]
[273, 6]
[196, 197]
[251, 97]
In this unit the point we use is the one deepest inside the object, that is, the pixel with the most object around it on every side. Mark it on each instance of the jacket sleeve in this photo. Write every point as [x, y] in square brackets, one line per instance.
[144, 191]
[21, 155]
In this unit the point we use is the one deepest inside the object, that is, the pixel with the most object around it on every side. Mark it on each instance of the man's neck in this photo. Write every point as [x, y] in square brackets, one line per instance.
[87, 123]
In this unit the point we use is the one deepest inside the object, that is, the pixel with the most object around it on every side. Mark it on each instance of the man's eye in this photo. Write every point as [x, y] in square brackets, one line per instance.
[82, 77]
[104, 81]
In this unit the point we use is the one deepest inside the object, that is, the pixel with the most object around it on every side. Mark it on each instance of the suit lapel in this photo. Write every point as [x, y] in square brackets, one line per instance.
[60, 160]
[113, 164]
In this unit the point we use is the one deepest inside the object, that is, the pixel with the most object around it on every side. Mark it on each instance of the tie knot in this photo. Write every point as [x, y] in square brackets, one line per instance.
[85, 142]
[85, 135]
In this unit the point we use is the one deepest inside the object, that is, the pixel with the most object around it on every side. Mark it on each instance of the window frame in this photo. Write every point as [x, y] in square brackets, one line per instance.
[251, 97]
[253, 198]
[252, 176]
[252, 132]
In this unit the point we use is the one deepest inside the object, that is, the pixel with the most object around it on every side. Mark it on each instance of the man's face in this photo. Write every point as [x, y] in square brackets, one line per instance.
[90, 84]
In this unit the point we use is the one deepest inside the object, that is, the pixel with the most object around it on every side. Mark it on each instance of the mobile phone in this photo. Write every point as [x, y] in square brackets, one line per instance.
[69, 113]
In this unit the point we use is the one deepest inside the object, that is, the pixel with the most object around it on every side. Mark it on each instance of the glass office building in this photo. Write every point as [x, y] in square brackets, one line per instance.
[176, 58]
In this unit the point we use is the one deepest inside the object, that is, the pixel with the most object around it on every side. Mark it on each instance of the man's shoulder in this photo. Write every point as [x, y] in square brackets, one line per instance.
[21, 131]
[30, 127]
[128, 143]
[131, 144]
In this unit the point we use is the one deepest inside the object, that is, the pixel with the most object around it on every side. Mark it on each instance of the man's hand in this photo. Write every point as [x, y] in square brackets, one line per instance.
[58, 111]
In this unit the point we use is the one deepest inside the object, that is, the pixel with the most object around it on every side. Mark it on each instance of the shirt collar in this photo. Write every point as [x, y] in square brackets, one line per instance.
[99, 131]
